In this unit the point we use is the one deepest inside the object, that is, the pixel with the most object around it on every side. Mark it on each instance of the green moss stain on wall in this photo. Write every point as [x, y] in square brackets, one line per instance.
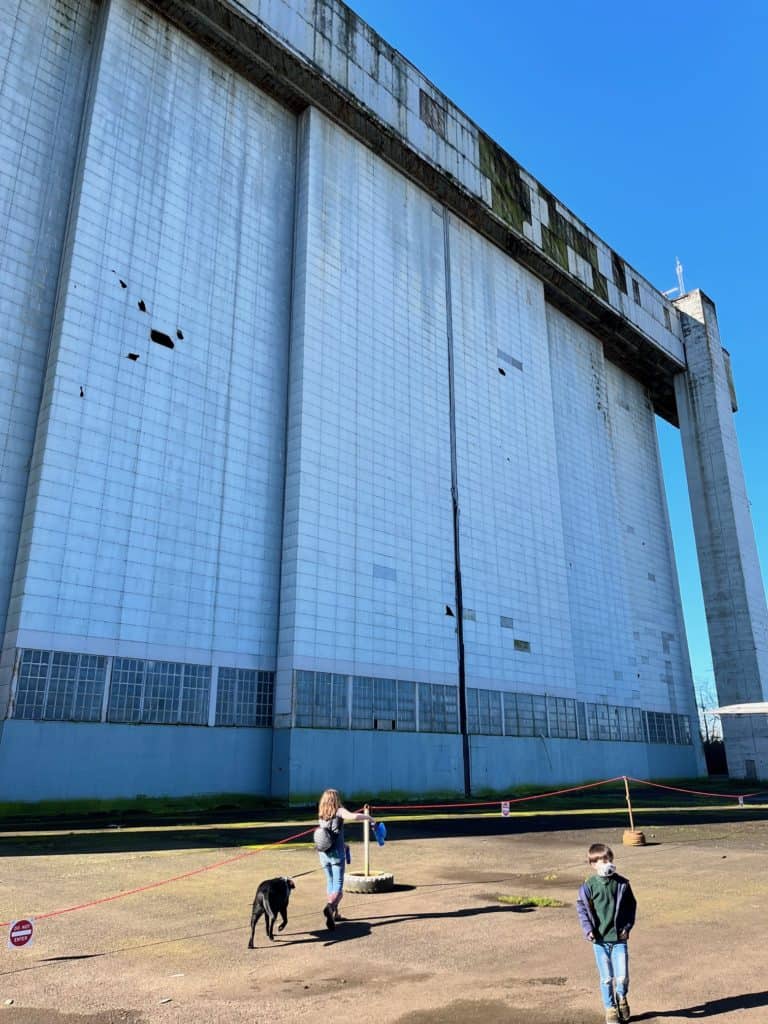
[554, 247]
[561, 234]
[510, 198]
[619, 274]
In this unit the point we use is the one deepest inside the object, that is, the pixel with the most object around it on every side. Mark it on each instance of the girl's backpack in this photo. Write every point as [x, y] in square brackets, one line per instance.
[325, 837]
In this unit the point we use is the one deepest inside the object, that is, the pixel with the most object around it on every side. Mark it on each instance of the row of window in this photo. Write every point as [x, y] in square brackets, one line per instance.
[54, 686]
[325, 700]
[494, 713]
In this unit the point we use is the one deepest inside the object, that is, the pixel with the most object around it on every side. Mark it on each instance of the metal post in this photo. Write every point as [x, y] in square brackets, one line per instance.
[367, 844]
[629, 804]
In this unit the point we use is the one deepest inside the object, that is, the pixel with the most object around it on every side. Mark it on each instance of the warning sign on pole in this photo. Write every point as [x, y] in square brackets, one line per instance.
[505, 808]
[21, 933]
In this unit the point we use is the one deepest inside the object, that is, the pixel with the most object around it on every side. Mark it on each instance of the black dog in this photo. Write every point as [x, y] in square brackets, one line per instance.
[271, 899]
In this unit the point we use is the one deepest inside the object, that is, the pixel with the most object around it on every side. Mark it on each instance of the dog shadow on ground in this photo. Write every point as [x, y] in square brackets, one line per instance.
[711, 1008]
[359, 929]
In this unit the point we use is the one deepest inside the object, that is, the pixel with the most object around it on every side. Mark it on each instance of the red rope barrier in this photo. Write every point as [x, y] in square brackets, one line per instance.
[494, 803]
[384, 807]
[164, 881]
[696, 792]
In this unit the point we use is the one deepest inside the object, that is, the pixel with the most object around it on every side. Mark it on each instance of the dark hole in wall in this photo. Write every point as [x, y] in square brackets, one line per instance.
[122, 283]
[449, 610]
[161, 339]
[502, 371]
[179, 334]
[142, 306]
[133, 355]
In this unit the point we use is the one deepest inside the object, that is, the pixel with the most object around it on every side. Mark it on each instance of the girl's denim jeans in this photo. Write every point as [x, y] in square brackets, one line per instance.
[334, 873]
[613, 964]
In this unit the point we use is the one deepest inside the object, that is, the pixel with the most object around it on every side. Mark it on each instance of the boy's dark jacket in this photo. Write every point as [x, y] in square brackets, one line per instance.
[624, 915]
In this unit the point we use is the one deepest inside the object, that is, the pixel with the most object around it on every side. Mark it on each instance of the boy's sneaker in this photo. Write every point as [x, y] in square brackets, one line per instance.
[612, 1015]
[623, 1008]
[331, 924]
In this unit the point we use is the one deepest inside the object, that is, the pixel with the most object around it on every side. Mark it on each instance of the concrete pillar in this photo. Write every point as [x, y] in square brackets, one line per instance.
[734, 596]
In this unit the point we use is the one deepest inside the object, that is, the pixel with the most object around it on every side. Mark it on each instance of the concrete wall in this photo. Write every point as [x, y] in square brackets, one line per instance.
[509, 494]
[368, 544]
[369, 762]
[45, 53]
[628, 640]
[152, 521]
[501, 763]
[73, 760]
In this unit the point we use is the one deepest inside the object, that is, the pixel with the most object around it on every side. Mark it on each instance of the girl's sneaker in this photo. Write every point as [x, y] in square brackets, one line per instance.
[623, 1008]
[329, 921]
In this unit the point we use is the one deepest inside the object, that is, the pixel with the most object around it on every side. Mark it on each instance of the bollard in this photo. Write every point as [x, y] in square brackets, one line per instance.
[631, 836]
[367, 882]
[366, 844]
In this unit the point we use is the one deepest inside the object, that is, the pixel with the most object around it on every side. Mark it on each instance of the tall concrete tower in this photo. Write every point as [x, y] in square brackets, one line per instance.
[734, 596]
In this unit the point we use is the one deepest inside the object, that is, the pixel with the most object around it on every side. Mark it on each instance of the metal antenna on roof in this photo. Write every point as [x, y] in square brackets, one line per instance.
[680, 289]
[679, 272]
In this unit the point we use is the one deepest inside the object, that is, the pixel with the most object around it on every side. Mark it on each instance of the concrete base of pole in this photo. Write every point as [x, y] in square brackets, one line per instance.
[633, 838]
[369, 883]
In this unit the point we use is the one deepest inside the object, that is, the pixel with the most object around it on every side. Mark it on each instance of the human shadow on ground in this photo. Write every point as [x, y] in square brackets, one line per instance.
[710, 1008]
[359, 929]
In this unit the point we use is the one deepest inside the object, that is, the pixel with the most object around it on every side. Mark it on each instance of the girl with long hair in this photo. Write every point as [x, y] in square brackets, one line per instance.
[331, 815]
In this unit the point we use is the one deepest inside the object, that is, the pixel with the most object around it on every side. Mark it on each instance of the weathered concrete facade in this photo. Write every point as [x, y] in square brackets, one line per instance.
[328, 416]
[734, 595]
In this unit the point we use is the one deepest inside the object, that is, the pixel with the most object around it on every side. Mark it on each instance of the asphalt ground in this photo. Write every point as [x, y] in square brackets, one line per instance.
[440, 948]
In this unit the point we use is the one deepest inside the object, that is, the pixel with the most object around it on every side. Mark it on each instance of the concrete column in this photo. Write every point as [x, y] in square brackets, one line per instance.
[734, 595]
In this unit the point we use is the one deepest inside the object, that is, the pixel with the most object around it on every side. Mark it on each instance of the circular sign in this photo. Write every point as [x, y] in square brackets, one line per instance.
[21, 933]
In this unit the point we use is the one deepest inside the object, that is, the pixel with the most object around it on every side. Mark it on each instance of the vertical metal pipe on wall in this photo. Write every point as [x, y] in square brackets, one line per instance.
[465, 753]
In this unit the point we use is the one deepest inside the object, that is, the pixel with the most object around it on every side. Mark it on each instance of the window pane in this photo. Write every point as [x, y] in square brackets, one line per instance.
[125, 690]
[304, 690]
[406, 705]
[362, 702]
[30, 691]
[195, 694]
[89, 695]
[510, 714]
[162, 692]
[525, 714]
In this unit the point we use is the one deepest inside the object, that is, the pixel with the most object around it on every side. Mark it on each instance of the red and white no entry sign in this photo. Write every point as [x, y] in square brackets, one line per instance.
[20, 933]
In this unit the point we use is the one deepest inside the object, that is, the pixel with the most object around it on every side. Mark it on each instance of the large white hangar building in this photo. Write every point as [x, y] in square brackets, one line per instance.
[329, 453]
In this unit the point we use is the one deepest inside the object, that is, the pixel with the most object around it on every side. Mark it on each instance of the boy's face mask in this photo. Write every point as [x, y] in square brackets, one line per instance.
[605, 870]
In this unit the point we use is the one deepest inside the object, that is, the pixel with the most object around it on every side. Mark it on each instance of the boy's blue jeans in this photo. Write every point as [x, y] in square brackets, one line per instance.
[613, 964]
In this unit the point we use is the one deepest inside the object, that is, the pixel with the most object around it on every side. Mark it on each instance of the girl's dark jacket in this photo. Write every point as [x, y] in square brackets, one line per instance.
[624, 915]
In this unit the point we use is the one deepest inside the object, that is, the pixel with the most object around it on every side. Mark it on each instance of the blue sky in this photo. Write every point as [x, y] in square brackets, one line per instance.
[649, 122]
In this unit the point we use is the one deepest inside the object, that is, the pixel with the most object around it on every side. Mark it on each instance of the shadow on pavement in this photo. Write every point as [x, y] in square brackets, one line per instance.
[711, 1008]
[47, 840]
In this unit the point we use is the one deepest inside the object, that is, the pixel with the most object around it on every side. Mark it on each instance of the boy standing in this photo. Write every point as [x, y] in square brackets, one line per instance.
[606, 907]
